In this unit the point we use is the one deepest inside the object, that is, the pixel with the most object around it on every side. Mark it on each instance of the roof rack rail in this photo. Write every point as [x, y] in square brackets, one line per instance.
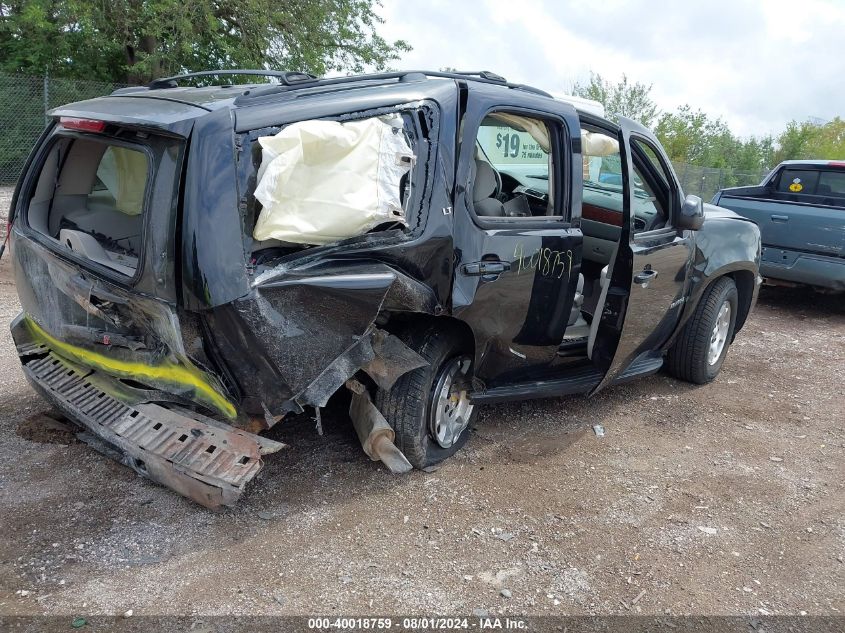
[483, 76]
[285, 77]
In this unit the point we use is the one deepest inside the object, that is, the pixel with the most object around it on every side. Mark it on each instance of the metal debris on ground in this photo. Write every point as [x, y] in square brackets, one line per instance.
[598, 429]
[319, 421]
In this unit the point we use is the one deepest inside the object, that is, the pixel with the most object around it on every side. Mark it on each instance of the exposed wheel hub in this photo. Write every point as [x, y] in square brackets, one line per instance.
[719, 336]
[451, 408]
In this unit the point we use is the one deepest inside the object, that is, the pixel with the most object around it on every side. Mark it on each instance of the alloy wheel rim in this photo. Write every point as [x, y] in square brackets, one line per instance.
[452, 408]
[719, 336]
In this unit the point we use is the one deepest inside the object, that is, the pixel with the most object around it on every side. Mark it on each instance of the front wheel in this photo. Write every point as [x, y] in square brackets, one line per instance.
[700, 350]
[429, 408]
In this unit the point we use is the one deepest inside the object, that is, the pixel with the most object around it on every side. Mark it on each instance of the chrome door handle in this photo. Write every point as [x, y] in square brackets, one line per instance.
[482, 269]
[780, 218]
[644, 277]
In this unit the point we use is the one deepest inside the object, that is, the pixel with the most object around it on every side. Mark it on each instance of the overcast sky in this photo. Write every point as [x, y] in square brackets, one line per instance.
[755, 63]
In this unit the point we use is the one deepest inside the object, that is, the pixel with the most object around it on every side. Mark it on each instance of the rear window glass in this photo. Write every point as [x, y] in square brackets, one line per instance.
[798, 181]
[831, 183]
[824, 183]
[90, 197]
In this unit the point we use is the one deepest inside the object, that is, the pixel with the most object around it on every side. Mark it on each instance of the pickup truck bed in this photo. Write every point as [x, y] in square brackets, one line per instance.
[802, 223]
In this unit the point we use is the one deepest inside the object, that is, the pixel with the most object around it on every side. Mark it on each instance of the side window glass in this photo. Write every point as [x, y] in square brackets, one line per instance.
[602, 162]
[652, 193]
[514, 167]
[602, 195]
[602, 198]
[798, 181]
[831, 183]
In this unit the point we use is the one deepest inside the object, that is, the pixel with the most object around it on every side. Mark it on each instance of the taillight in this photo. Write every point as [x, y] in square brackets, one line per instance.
[836, 163]
[83, 125]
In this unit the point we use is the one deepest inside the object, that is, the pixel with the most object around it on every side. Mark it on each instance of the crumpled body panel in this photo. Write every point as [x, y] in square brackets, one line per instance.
[299, 335]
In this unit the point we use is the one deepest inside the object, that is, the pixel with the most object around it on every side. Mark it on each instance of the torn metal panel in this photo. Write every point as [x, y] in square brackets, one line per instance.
[317, 394]
[198, 457]
[391, 359]
[181, 379]
[103, 326]
[300, 334]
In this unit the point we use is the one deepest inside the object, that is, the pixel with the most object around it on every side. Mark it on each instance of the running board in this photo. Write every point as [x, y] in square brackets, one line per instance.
[580, 380]
[198, 457]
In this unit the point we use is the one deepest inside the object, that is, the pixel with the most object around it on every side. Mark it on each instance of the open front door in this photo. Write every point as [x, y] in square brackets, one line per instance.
[648, 276]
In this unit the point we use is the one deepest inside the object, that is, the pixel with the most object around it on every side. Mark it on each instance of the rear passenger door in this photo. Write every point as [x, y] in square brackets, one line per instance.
[649, 271]
[517, 257]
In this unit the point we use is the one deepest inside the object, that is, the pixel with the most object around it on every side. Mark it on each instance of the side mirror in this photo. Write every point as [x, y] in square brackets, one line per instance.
[692, 214]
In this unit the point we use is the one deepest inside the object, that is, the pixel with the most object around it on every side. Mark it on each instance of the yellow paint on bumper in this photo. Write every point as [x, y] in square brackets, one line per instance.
[167, 372]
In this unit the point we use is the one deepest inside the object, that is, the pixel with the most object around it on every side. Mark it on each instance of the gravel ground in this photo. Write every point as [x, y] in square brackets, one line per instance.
[721, 499]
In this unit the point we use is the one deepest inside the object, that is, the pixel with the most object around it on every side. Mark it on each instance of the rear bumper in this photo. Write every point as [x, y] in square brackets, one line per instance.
[200, 458]
[803, 268]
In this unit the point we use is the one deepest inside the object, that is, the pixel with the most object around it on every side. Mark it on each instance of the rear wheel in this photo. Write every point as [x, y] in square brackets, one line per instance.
[429, 408]
[700, 350]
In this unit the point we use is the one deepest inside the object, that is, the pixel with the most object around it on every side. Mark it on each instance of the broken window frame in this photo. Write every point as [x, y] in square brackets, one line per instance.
[423, 144]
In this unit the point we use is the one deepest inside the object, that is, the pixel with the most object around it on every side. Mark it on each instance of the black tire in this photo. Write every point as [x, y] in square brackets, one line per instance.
[688, 357]
[407, 406]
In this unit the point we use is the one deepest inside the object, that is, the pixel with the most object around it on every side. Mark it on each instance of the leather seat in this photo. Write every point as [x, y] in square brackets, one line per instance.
[484, 185]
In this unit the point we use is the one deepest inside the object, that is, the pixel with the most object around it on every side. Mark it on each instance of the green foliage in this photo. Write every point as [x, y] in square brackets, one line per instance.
[630, 100]
[695, 138]
[139, 40]
[808, 140]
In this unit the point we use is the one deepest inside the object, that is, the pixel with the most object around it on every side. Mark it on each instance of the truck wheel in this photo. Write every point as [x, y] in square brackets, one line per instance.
[700, 350]
[429, 408]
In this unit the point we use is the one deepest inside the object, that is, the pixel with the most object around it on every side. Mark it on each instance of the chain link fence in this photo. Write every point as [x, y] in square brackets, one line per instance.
[24, 102]
[706, 181]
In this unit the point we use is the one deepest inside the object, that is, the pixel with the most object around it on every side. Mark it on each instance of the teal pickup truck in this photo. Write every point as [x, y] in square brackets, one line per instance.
[800, 209]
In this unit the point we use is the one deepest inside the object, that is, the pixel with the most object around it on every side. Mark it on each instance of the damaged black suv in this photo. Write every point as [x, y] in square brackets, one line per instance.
[195, 263]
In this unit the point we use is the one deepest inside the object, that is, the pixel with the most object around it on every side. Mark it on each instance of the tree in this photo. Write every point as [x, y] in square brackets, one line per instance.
[135, 41]
[809, 140]
[629, 100]
[695, 138]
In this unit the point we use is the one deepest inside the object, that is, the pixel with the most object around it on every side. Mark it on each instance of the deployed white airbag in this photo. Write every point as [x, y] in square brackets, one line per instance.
[323, 181]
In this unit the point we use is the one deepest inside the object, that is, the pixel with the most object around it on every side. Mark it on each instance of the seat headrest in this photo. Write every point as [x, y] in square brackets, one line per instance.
[484, 183]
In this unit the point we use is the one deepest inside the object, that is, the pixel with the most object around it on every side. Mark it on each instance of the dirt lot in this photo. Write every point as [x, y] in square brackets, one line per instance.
[723, 499]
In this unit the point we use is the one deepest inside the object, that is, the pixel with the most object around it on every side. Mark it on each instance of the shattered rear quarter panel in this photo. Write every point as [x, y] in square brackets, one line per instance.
[77, 316]
[306, 324]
